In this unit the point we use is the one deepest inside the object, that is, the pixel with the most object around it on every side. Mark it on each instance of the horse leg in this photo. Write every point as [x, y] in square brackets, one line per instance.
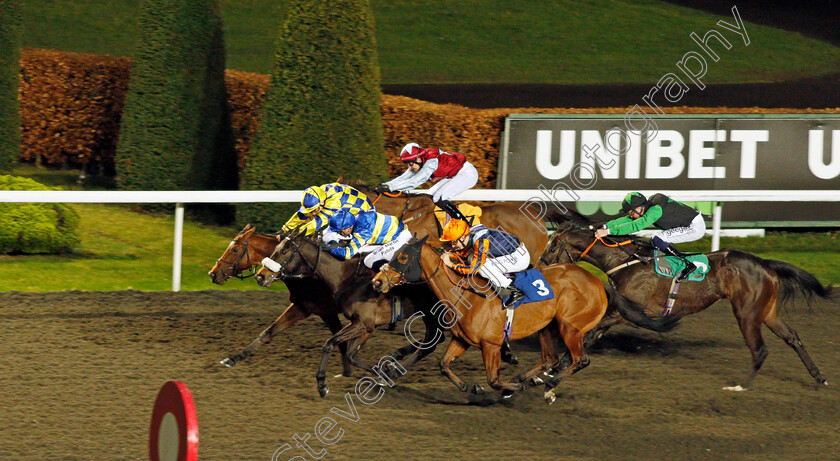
[508, 356]
[351, 331]
[547, 361]
[596, 333]
[456, 348]
[353, 348]
[573, 339]
[747, 314]
[433, 330]
[492, 355]
[788, 334]
[334, 324]
[293, 314]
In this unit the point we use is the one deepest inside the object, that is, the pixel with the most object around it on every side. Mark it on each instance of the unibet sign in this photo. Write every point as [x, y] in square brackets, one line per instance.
[724, 152]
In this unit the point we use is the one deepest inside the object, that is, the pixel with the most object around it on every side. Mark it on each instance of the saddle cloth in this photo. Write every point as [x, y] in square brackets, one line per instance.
[670, 266]
[533, 284]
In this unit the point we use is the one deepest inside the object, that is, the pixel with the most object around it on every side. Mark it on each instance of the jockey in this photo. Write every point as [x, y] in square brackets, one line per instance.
[321, 202]
[451, 170]
[494, 254]
[379, 234]
[677, 223]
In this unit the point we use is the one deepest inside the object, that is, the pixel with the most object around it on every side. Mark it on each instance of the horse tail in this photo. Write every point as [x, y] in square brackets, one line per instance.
[794, 280]
[635, 312]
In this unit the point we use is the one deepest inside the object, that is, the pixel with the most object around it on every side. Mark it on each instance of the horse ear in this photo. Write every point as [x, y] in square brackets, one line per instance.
[339, 179]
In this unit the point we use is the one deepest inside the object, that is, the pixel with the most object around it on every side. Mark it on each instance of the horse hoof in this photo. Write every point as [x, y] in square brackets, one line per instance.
[228, 362]
[477, 390]
[323, 391]
[737, 388]
[506, 394]
[536, 381]
[550, 397]
[511, 359]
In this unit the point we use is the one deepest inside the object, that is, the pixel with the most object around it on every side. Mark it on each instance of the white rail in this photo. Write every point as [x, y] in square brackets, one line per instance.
[491, 195]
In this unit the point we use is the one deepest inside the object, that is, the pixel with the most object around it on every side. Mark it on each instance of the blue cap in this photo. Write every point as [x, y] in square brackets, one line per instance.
[341, 220]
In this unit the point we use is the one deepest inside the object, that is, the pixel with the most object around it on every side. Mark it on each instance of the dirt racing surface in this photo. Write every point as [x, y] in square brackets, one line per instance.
[81, 372]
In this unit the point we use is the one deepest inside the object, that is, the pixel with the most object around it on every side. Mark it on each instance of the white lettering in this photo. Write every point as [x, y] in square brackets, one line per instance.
[749, 140]
[668, 145]
[698, 153]
[816, 156]
[545, 166]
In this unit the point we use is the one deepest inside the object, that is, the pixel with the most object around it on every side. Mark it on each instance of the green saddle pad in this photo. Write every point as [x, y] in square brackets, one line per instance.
[670, 266]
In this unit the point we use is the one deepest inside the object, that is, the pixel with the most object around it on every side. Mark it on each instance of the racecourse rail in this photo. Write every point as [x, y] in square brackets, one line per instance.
[179, 198]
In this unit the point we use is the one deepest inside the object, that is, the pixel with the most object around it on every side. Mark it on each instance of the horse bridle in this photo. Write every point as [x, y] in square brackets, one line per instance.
[251, 267]
[638, 258]
[281, 274]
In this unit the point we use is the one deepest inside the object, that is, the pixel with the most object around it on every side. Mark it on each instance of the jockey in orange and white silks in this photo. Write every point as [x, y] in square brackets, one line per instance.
[377, 234]
[494, 254]
[450, 170]
[321, 202]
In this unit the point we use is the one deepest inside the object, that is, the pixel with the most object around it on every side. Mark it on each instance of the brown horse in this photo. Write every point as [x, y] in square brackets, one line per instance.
[349, 283]
[308, 296]
[508, 216]
[578, 306]
[756, 287]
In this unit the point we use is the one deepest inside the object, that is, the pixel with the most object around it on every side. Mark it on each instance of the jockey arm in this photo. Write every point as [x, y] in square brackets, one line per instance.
[627, 225]
[357, 240]
[480, 250]
[307, 224]
[412, 180]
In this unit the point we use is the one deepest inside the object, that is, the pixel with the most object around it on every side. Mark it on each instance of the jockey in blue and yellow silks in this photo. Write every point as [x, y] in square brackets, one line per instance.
[321, 202]
[379, 234]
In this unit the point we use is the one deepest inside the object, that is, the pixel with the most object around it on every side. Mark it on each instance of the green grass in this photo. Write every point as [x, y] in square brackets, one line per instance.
[120, 249]
[472, 41]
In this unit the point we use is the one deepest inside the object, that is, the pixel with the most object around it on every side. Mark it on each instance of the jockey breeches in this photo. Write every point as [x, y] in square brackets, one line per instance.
[494, 269]
[385, 252]
[448, 188]
[690, 233]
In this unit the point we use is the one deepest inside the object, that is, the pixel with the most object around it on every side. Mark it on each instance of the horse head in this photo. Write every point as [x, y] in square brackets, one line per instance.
[236, 258]
[563, 246]
[290, 259]
[404, 267]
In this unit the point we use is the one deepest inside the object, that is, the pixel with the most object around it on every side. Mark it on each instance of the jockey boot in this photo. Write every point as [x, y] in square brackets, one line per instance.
[516, 295]
[689, 266]
[452, 210]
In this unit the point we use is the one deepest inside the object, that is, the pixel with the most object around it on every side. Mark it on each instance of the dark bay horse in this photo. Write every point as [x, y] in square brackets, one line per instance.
[755, 286]
[349, 283]
[578, 306]
[308, 296]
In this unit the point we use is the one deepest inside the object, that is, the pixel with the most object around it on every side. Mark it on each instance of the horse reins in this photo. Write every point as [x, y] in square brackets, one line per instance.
[233, 265]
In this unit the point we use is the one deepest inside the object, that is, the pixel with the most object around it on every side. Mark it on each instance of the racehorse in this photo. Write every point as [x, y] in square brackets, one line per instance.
[477, 321]
[308, 296]
[348, 282]
[756, 287]
[507, 216]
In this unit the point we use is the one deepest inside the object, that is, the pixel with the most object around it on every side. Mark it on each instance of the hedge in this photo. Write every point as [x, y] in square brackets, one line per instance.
[175, 131]
[321, 115]
[10, 39]
[71, 103]
[36, 227]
